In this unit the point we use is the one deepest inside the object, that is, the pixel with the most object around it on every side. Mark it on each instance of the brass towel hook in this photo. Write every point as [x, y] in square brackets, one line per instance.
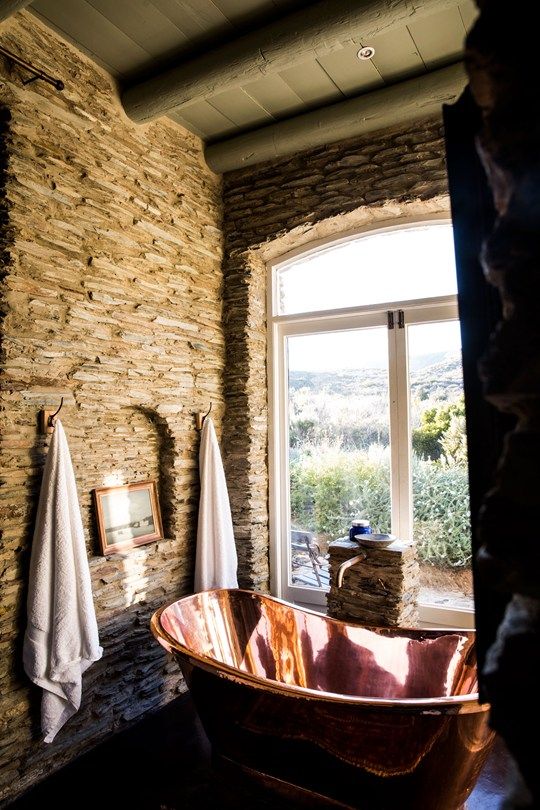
[47, 417]
[200, 417]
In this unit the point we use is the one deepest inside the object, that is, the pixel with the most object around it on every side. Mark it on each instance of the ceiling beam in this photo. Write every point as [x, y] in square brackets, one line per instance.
[9, 7]
[323, 27]
[400, 103]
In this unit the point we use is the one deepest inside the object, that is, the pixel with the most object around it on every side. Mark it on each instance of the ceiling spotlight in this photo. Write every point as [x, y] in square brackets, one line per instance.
[368, 52]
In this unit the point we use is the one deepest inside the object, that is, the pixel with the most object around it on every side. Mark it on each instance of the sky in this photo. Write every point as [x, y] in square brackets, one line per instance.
[368, 348]
[386, 266]
[399, 265]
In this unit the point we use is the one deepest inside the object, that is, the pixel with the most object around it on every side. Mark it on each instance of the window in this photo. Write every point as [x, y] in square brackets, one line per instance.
[367, 410]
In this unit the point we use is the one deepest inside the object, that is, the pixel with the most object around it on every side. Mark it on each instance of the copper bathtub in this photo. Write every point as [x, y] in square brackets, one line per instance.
[328, 713]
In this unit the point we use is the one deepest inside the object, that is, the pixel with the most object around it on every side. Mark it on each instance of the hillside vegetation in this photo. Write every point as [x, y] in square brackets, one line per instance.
[340, 455]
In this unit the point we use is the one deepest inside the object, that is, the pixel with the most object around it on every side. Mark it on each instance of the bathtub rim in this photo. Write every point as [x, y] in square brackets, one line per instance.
[454, 704]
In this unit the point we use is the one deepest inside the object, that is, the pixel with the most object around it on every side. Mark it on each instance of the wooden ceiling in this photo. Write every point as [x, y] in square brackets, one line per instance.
[133, 39]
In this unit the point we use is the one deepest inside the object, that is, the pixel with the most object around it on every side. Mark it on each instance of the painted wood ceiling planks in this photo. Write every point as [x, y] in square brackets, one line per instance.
[134, 37]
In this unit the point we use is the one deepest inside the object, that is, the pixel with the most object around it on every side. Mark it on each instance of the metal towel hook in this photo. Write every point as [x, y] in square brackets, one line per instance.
[47, 418]
[200, 417]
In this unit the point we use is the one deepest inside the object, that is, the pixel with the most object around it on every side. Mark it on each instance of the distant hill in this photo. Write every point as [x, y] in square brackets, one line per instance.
[436, 375]
[424, 360]
[343, 383]
[443, 379]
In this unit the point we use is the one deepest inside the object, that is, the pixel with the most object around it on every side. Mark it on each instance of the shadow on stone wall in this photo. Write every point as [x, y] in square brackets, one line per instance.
[165, 476]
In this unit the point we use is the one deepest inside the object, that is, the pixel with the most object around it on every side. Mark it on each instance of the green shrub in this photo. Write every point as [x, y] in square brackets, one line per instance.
[442, 526]
[454, 441]
[428, 440]
[331, 486]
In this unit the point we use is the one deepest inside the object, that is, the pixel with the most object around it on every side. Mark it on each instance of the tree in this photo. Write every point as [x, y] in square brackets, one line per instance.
[427, 440]
[454, 441]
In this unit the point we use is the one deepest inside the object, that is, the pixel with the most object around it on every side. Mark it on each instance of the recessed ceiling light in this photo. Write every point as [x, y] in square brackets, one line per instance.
[368, 52]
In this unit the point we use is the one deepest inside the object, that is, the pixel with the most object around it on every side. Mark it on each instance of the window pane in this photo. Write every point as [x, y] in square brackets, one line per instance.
[400, 265]
[440, 482]
[339, 456]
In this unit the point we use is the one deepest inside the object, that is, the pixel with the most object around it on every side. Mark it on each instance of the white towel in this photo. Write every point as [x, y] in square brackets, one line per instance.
[216, 561]
[61, 639]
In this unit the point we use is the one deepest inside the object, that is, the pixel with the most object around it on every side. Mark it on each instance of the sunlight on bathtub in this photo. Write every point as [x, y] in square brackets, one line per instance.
[389, 654]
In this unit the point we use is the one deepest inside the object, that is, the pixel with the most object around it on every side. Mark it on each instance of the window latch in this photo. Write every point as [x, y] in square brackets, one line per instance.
[390, 319]
[401, 319]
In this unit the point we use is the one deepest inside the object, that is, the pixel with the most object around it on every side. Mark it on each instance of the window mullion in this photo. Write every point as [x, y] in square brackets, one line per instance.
[403, 444]
[393, 389]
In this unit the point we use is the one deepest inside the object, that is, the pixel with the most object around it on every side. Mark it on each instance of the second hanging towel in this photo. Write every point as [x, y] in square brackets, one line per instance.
[216, 560]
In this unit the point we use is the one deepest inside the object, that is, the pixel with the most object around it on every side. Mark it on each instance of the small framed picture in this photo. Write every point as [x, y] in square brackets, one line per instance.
[127, 516]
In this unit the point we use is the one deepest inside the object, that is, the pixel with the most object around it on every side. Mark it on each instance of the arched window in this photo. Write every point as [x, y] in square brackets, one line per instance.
[367, 410]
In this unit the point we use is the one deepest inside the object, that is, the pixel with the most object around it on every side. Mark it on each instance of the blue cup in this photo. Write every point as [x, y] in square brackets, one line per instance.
[359, 527]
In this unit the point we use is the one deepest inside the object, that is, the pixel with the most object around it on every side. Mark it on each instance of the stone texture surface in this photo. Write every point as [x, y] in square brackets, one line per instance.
[380, 589]
[504, 84]
[284, 203]
[111, 281]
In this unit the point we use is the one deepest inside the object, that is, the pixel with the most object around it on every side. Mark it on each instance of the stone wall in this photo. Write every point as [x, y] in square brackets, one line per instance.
[111, 297]
[269, 210]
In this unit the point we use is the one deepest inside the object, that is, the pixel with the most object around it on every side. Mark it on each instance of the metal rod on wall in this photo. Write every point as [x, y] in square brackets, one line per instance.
[36, 72]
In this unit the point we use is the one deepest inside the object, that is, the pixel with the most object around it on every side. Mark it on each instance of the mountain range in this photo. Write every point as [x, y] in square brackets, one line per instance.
[436, 375]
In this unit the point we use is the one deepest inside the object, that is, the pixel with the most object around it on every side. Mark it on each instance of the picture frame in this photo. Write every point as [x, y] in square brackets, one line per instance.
[127, 516]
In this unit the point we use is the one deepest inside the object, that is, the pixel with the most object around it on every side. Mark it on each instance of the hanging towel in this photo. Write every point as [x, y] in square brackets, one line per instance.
[61, 639]
[216, 561]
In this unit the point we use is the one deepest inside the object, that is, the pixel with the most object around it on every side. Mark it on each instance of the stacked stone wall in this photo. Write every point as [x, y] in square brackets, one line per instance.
[111, 251]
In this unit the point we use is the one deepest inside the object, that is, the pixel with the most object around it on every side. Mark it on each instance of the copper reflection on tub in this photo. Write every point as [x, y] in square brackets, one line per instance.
[380, 710]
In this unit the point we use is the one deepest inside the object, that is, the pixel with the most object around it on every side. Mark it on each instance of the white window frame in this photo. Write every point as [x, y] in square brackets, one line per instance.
[282, 326]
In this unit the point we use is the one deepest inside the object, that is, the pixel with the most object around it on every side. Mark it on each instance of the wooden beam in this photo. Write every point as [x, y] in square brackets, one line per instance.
[401, 103]
[9, 7]
[326, 26]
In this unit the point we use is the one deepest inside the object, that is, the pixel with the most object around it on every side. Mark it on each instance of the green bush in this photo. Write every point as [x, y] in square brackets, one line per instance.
[454, 441]
[442, 527]
[442, 432]
[311, 431]
[331, 486]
